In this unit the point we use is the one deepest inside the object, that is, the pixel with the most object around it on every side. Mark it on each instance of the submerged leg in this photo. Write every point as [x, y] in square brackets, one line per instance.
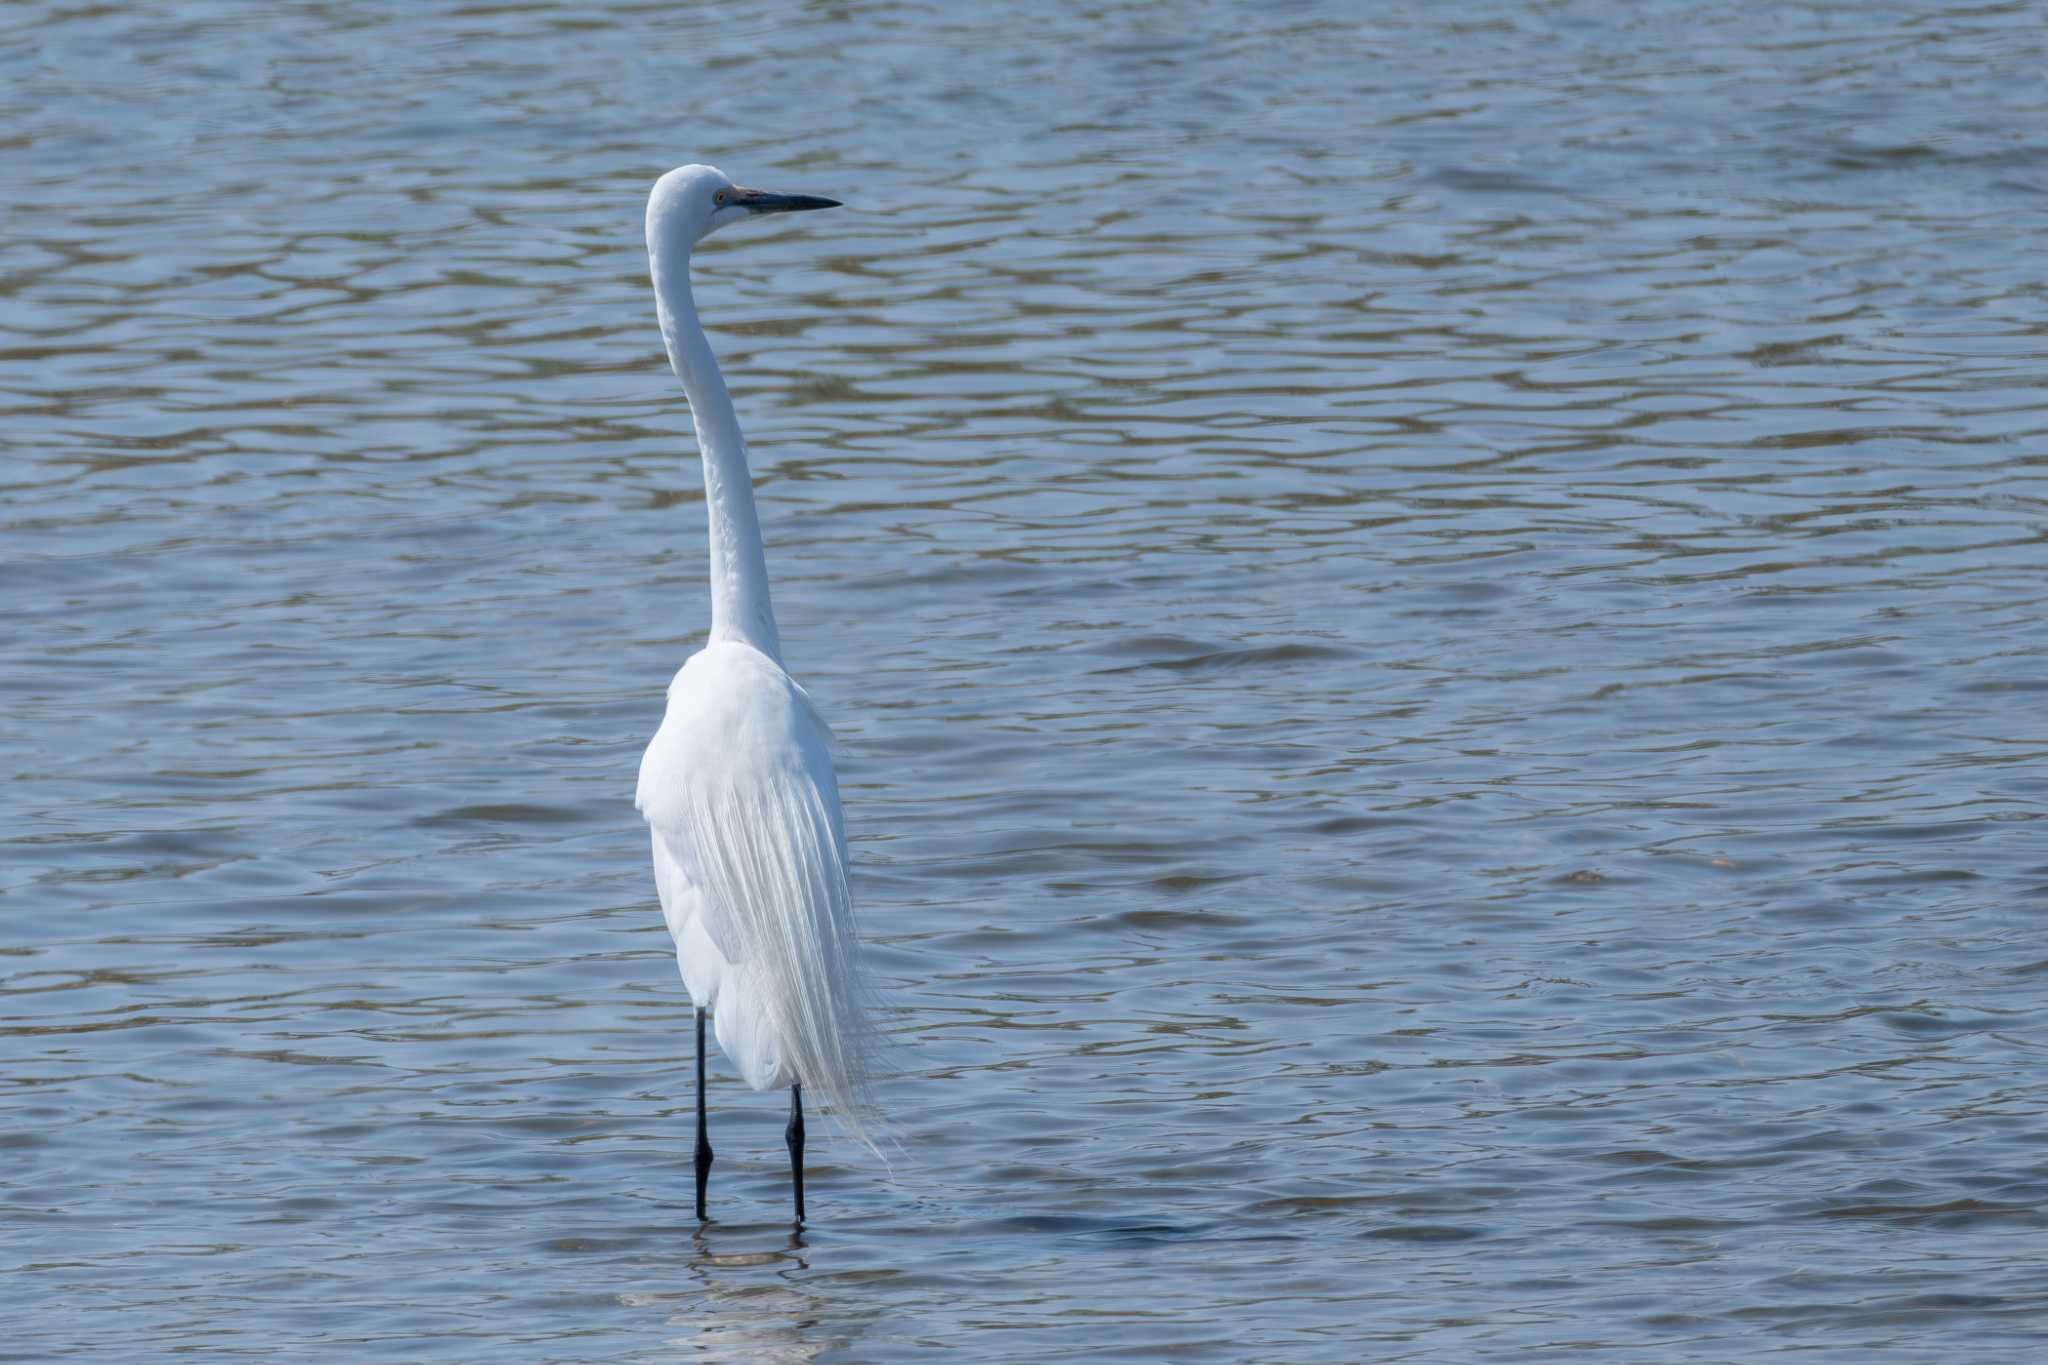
[793, 1136]
[703, 1129]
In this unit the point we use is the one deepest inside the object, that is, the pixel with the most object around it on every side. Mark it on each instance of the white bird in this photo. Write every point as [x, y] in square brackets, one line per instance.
[737, 786]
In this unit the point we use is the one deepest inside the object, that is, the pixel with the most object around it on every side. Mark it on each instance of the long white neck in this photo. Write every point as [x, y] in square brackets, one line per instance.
[740, 606]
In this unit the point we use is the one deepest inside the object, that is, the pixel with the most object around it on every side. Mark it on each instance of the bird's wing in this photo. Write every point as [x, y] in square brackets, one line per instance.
[739, 791]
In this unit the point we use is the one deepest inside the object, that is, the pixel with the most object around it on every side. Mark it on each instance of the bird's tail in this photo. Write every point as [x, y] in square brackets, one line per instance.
[773, 862]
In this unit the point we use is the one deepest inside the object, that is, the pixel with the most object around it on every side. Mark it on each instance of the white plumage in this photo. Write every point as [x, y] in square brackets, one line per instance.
[737, 786]
[750, 860]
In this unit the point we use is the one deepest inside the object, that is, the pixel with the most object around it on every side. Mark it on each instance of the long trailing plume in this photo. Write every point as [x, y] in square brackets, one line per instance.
[771, 859]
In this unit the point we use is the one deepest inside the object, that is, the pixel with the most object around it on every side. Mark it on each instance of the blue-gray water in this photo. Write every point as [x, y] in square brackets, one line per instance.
[1437, 623]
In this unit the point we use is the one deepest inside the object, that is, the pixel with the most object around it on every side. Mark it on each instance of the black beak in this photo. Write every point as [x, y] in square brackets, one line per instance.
[760, 201]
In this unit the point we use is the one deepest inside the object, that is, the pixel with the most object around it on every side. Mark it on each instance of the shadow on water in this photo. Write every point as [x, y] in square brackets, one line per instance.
[744, 1305]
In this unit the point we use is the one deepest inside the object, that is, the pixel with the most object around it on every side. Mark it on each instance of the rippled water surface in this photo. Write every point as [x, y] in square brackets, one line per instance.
[1437, 623]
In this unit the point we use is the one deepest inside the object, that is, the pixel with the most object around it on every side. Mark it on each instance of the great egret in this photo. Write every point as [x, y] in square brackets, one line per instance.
[737, 786]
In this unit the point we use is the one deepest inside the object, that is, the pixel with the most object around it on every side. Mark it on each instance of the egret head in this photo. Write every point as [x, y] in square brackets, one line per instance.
[692, 202]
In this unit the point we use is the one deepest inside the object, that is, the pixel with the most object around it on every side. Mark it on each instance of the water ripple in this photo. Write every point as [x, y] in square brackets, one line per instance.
[1434, 620]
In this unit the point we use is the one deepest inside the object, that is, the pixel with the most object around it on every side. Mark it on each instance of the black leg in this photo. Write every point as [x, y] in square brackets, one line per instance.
[794, 1137]
[703, 1129]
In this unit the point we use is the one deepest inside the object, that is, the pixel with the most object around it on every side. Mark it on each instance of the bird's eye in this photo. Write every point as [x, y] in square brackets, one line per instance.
[718, 198]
